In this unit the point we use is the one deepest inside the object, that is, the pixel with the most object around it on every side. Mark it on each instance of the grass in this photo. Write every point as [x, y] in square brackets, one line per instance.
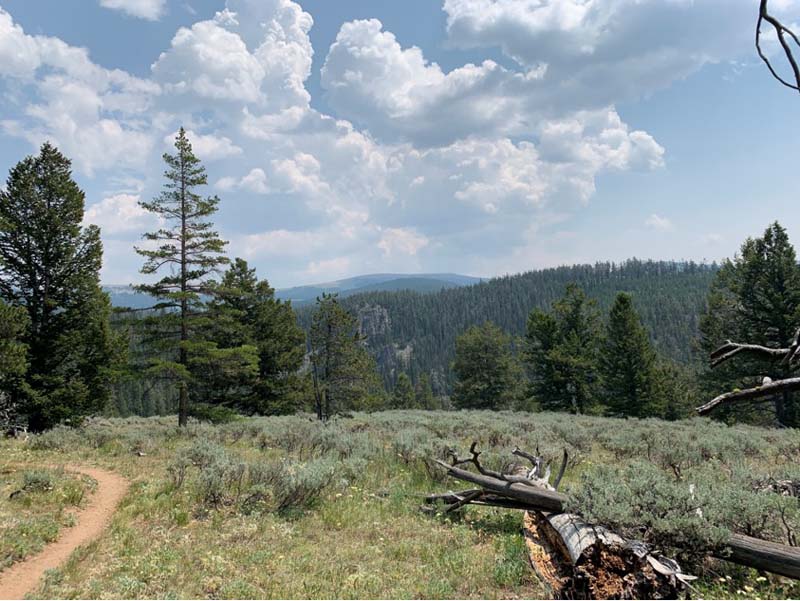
[285, 507]
[35, 504]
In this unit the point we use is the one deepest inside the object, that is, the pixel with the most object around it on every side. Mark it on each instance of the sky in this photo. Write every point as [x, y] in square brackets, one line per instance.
[482, 137]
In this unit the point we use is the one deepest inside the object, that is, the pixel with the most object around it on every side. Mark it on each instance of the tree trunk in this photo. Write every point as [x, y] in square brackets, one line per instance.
[183, 402]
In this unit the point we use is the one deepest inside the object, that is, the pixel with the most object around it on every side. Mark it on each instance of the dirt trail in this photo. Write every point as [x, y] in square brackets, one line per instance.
[24, 576]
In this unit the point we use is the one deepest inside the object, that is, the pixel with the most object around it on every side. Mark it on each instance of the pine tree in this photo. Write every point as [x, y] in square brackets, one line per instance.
[50, 265]
[561, 351]
[13, 360]
[192, 252]
[245, 312]
[424, 394]
[628, 364]
[486, 369]
[345, 375]
[754, 298]
[403, 396]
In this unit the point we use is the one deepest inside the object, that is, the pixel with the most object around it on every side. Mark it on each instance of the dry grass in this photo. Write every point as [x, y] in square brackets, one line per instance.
[34, 505]
[362, 535]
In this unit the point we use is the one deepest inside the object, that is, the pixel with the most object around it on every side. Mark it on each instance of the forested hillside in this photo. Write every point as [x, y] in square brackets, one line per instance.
[413, 332]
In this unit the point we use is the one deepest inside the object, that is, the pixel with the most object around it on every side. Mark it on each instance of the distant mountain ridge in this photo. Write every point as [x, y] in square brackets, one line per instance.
[126, 296]
[415, 333]
[417, 282]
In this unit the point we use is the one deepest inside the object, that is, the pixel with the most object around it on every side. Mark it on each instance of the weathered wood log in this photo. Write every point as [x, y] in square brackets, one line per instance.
[546, 500]
[577, 560]
[744, 550]
[572, 558]
[485, 500]
[762, 555]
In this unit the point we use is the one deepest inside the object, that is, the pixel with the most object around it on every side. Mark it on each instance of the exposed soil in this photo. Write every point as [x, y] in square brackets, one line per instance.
[24, 576]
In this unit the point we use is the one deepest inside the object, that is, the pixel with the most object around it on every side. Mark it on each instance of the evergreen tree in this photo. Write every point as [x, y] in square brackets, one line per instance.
[49, 265]
[245, 313]
[191, 251]
[628, 364]
[424, 394]
[403, 396]
[677, 386]
[13, 360]
[755, 298]
[487, 372]
[561, 349]
[344, 374]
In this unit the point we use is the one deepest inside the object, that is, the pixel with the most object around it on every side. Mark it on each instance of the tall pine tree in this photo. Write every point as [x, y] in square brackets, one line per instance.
[487, 372]
[562, 353]
[628, 364]
[49, 264]
[755, 298]
[245, 313]
[13, 361]
[345, 375]
[191, 250]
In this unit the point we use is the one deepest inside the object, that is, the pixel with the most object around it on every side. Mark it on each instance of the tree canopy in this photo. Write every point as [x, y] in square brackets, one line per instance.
[49, 265]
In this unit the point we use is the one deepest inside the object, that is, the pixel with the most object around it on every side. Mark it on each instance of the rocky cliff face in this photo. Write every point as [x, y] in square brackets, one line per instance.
[374, 323]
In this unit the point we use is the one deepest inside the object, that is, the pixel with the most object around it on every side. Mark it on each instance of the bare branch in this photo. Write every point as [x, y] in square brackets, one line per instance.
[778, 386]
[731, 349]
[782, 32]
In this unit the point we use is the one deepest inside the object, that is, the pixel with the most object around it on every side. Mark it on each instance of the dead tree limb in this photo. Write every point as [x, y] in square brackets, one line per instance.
[748, 394]
[547, 500]
[474, 460]
[787, 356]
[731, 349]
[782, 32]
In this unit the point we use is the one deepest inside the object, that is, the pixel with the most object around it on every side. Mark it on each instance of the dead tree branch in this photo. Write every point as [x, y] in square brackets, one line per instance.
[787, 356]
[782, 32]
[748, 394]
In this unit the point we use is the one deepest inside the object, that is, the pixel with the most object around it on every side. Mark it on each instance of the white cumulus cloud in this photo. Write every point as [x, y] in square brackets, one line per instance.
[152, 10]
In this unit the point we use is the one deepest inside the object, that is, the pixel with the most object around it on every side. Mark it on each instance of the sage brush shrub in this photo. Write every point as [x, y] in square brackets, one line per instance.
[644, 503]
[301, 485]
[37, 481]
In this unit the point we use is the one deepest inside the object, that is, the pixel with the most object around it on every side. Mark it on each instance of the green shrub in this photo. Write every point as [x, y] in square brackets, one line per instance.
[214, 414]
[301, 485]
[37, 481]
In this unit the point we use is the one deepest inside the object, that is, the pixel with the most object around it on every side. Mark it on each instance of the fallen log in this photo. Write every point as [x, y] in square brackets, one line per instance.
[743, 550]
[577, 560]
[573, 559]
